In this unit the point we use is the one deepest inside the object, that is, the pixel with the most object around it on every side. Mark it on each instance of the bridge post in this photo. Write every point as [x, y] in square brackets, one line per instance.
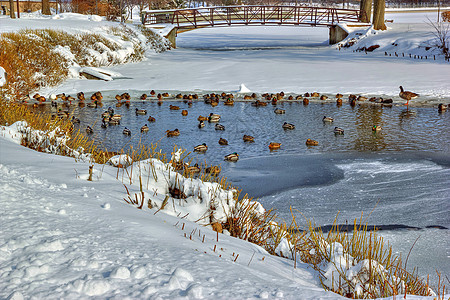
[337, 34]
[172, 37]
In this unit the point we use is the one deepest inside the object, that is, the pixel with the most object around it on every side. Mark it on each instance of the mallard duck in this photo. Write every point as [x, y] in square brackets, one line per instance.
[229, 102]
[310, 142]
[248, 138]
[339, 101]
[80, 96]
[152, 92]
[279, 111]
[89, 130]
[213, 118]
[62, 113]
[442, 107]
[305, 101]
[116, 117]
[274, 146]
[361, 98]
[184, 112]
[192, 169]
[338, 130]
[213, 170]
[126, 131]
[98, 96]
[223, 142]
[179, 96]
[306, 95]
[327, 119]
[112, 121]
[407, 95]
[104, 124]
[126, 96]
[174, 107]
[323, 97]
[351, 97]
[75, 120]
[219, 127]
[201, 124]
[202, 118]
[376, 128]
[288, 126]
[175, 132]
[151, 119]
[201, 148]
[315, 95]
[106, 114]
[165, 95]
[145, 128]
[232, 157]
[339, 96]
[258, 103]
[143, 97]
[92, 104]
[141, 111]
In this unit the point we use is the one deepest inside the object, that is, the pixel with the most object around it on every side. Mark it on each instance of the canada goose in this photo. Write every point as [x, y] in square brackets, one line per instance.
[274, 146]
[145, 128]
[338, 130]
[223, 142]
[288, 126]
[279, 111]
[232, 157]
[141, 111]
[310, 142]
[248, 138]
[327, 119]
[407, 95]
[219, 127]
[201, 148]
[126, 131]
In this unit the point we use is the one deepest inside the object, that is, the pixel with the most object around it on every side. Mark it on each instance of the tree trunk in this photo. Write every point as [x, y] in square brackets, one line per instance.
[12, 14]
[365, 11]
[378, 15]
[46, 7]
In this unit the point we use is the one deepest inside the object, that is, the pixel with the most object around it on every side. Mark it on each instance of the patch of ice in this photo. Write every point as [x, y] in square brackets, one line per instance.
[15, 296]
[120, 273]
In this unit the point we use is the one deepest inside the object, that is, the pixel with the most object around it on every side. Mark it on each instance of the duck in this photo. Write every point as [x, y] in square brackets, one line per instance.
[306, 95]
[98, 96]
[376, 128]
[80, 96]
[202, 118]
[229, 102]
[305, 101]
[126, 131]
[75, 120]
[315, 95]
[339, 96]
[104, 124]
[175, 132]
[213, 170]
[219, 127]
[327, 119]
[323, 97]
[62, 113]
[118, 97]
[184, 112]
[288, 126]
[152, 92]
[174, 107]
[310, 142]
[116, 117]
[201, 124]
[151, 119]
[223, 142]
[145, 128]
[213, 118]
[248, 138]
[279, 111]
[351, 97]
[126, 96]
[361, 98]
[407, 95]
[201, 148]
[141, 111]
[165, 95]
[92, 104]
[232, 157]
[258, 103]
[192, 169]
[339, 101]
[143, 97]
[442, 107]
[89, 130]
[112, 121]
[274, 146]
[338, 130]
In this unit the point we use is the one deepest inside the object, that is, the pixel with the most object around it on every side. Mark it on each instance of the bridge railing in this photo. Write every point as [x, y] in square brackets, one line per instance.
[252, 15]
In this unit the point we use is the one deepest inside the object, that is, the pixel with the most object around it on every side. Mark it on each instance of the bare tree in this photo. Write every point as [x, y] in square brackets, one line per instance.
[46, 7]
[12, 14]
[365, 11]
[442, 34]
[378, 15]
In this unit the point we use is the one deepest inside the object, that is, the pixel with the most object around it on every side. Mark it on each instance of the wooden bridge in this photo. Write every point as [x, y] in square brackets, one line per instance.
[192, 18]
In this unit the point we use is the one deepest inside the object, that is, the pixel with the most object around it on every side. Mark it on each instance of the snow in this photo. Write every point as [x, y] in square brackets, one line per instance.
[2, 77]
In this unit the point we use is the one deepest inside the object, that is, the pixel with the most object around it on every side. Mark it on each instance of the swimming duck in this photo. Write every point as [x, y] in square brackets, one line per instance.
[213, 170]
[175, 132]
[351, 97]
[118, 97]
[143, 97]
[62, 113]
[305, 101]
[152, 92]
[274, 146]
[306, 95]
[201, 124]
[248, 138]
[376, 128]
[339, 96]
[407, 95]
[339, 101]
[92, 104]
[219, 127]
[229, 102]
[213, 118]
[258, 103]
[89, 130]
[192, 169]
[442, 107]
[338, 130]
[184, 112]
[291, 97]
[165, 95]
[151, 119]
[98, 96]
[126, 131]
[279, 111]
[310, 142]
[288, 126]
[201, 148]
[126, 96]
[323, 97]
[223, 142]
[315, 94]
[104, 124]
[112, 121]
[232, 157]
[75, 120]
[141, 111]
[173, 107]
[202, 118]
[362, 98]
[145, 128]
[327, 119]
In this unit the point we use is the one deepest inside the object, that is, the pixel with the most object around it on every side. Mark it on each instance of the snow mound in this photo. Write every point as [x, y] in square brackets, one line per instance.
[243, 89]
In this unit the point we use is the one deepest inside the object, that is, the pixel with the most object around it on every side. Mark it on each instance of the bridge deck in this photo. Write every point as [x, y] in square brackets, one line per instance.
[252, 15]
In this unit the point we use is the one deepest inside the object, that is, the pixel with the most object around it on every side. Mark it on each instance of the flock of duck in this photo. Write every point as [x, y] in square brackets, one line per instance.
[109, 117]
